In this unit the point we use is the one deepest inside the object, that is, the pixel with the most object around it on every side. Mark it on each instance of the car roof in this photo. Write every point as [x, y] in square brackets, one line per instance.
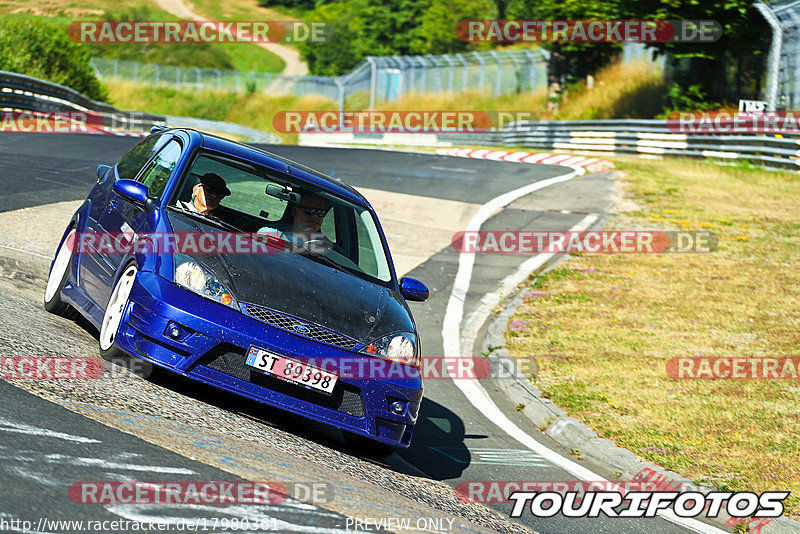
[274, 161]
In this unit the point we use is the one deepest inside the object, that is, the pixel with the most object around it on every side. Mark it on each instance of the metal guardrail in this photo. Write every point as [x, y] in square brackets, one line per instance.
[598, 137]
[24, 93]
[18, 91]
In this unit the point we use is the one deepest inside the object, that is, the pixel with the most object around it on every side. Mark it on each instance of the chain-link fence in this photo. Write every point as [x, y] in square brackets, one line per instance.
[380, 79]
[783, 79]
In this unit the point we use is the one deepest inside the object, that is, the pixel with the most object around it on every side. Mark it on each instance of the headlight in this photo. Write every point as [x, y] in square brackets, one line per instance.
[196, 278]
[400, 348]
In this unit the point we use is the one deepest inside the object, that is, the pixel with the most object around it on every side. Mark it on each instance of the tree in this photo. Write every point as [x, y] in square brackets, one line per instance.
[576, 59]
[437, 33]
[42, 49]
[745, 34]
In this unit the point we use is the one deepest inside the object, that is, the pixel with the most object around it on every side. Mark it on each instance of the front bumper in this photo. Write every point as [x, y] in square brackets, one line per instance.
[212, 346]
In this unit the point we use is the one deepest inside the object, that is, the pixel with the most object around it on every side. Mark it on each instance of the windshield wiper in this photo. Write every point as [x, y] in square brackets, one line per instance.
[206, 217]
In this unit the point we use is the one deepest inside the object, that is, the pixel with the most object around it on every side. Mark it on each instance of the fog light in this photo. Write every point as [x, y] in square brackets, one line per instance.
[174, 331]
[397, 407]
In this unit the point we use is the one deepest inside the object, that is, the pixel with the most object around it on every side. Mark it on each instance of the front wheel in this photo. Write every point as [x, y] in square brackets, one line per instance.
[366, 446]
[112, 318]
[58, 279]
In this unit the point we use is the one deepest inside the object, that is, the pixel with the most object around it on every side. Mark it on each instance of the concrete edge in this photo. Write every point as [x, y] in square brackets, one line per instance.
[569, 432]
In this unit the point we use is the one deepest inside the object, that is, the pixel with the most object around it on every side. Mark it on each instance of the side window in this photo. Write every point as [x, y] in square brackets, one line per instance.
[128, 167]
[157, 172]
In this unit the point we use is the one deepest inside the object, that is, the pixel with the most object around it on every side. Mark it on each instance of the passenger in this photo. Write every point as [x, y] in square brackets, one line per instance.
[207, 194]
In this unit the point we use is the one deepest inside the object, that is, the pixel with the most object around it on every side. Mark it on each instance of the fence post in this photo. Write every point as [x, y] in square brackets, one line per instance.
[373, 81]
[177, 77]
[450, 72]
[532, 71]
[135, 71]
[424, 82]
[464, 72]
[482, 63]
[158, 73]
[498, 81]
[774, 54]
[116, 68]
[517, 71]
[340, 85]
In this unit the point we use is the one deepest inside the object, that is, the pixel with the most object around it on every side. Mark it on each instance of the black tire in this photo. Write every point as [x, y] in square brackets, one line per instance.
[367, 447]
[52, 294]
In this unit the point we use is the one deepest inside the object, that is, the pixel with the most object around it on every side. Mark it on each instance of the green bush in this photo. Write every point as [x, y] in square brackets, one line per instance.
[41, 49]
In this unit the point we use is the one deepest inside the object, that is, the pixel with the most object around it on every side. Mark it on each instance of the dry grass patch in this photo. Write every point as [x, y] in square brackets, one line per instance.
[255, 110]
[621, 90]
[603, 327]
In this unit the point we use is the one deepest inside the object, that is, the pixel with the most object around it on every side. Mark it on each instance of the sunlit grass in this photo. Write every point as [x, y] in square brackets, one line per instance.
[255, 110]
[603, 327]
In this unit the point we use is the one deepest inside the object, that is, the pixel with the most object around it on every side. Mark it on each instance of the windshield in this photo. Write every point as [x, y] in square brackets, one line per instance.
[239, 196]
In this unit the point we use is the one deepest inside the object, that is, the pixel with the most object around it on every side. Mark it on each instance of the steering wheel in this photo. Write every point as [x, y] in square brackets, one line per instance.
[321, 246]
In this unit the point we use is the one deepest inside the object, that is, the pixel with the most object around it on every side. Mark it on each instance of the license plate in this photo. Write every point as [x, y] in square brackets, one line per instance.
[291, 370]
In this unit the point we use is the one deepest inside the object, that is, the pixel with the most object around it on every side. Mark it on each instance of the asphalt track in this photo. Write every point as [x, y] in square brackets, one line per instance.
[454, 442]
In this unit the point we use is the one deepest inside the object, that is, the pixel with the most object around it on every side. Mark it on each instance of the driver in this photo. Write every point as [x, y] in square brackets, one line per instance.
[207, 194]
[302, 222]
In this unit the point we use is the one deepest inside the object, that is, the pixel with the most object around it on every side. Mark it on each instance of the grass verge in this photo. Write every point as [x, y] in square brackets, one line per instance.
[233, 56]
[255, 110]
[603, 327]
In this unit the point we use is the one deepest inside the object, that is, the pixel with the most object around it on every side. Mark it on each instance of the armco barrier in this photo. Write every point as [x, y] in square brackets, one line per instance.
[596, 137]
[20, 92]
[23, 93]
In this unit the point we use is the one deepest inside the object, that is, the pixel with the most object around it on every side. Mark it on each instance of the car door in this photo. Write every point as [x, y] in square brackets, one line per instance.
[95, 271]
[121, 216]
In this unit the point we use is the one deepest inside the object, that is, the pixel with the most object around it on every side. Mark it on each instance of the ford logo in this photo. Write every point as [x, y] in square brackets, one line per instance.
[301, 329]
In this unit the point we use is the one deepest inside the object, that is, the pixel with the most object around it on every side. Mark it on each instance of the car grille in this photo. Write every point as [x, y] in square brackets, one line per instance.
[287, 322]
[345, 397]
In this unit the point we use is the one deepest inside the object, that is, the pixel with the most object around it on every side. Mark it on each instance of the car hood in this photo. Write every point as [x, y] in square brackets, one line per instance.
[301, 287]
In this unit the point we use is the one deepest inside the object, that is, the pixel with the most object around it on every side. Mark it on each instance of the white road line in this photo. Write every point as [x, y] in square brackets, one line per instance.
[7, 425]
[26, 252]
[472, 389]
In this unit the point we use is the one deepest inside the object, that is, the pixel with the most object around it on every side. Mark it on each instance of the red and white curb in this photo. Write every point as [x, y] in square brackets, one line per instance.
[589, 164]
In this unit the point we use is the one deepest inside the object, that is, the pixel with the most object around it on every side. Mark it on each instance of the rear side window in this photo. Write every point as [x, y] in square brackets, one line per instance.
[157, 172]
[132, 162]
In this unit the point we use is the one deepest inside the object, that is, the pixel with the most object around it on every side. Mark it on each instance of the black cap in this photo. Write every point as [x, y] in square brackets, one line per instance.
[215, 182]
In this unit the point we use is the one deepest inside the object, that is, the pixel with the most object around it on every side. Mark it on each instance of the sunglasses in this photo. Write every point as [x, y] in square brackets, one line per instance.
[215, 194]
[319, 212]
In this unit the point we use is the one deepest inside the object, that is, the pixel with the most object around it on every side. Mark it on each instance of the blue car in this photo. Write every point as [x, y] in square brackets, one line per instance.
[251, 273]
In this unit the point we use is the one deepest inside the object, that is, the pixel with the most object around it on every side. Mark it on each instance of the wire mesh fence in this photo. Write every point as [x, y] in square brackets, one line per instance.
[382, 79]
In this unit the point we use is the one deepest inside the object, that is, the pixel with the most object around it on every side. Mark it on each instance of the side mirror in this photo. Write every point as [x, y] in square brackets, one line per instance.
[413, 290]
[131, 190]
[101, 172]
